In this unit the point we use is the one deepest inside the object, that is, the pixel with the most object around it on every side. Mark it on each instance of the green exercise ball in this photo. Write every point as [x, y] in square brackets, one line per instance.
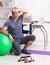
[5, 44]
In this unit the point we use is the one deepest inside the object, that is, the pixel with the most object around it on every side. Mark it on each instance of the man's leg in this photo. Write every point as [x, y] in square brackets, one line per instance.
[27, 40]
[28, 44]
[16, 48]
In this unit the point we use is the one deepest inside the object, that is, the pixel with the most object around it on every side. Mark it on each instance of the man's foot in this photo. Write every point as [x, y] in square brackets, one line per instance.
[25, 51]
[11, 51]
[16, 54]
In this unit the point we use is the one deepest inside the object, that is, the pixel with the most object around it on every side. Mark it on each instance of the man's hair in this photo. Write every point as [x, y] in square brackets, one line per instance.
[14, 8]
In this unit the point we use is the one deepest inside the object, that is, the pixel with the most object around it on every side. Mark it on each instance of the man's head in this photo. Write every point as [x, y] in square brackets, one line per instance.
[15, 12]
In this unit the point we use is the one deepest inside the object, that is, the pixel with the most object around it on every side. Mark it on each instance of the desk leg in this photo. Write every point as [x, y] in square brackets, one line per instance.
[44, 38]
[46, 34]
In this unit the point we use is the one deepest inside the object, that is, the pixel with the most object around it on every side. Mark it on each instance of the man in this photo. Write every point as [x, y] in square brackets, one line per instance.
[14, 28]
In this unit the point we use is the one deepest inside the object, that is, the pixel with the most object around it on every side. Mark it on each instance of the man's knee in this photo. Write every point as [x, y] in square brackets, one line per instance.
[33, 37]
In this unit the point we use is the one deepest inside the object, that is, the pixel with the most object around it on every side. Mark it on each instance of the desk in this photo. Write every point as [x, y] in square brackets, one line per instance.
[42, 28]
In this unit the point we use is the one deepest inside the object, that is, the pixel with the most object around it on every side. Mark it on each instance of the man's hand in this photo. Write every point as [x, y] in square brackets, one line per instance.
[22, 12]
[11, 38]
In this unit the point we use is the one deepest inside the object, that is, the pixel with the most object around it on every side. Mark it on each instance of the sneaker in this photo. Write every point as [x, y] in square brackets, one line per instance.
[11, 51]
[25, 51]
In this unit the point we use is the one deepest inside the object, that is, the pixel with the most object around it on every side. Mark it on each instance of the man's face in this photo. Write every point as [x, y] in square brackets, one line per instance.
[15, 13]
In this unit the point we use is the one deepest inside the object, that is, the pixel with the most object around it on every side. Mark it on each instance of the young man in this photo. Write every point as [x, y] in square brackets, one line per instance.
[14, 28]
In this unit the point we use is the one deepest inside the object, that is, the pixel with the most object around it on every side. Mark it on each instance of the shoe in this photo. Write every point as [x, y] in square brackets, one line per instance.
[11, 51]
[16, 54]
[25, 51]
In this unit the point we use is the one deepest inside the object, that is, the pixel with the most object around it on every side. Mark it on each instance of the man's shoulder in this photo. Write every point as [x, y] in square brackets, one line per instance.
[10, 17]
[9, 20]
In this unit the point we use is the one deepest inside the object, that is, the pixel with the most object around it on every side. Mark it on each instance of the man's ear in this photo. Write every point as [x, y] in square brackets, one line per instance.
[19, 11]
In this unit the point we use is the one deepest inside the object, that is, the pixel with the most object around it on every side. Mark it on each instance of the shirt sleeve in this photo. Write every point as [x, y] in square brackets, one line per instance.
[21, 17]
[7, 24]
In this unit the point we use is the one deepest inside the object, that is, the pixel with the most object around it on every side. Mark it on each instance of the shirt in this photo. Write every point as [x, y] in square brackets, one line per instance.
[14, 28]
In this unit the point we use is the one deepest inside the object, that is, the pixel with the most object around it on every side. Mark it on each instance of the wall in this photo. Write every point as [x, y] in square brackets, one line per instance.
[37, 8]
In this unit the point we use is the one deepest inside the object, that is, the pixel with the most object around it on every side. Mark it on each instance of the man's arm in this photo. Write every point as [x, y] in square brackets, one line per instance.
[4, 31]
[23, 12]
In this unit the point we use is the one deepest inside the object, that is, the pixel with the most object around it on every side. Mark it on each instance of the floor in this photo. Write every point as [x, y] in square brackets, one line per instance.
[13, 60]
